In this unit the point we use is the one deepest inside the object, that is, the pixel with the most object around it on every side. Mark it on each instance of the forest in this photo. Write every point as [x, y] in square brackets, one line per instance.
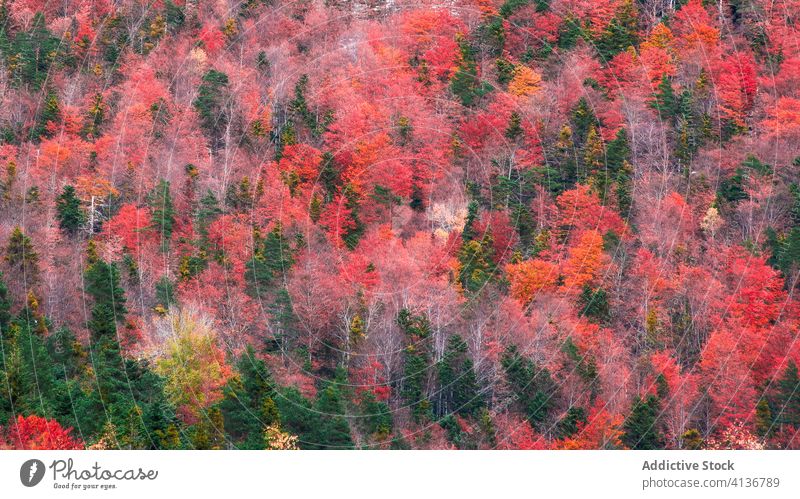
[386, 224]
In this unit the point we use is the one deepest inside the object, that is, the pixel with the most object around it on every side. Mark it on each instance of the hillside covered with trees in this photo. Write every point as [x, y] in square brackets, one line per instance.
[382, 224]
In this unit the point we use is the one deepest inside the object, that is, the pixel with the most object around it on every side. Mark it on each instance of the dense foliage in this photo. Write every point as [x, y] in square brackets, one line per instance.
[325, 224]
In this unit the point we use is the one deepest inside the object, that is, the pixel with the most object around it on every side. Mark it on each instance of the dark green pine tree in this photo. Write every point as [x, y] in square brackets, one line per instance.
[71, 217]
[163, 212]
[641, 429]
[514, 130]
[165, 292]
[594, 302]
[299, 107]
[570, 423]
[622, 32]
[687, 140]
[66, 352]
[332, 430]
[102, 282]
[352, 203]
[618, 152]
[583, 119]
[416, 329]
[248, 404]
[477, 265]
[209, 432]
[469, 233]
[772, 243]
[30, 370]
[35, 50]
[272, 258]
[125, 392]
[466, 84]
[458, 386]
[376, 416]
[731, 189]
[284, 323]
[5, 307]
[794, 210]
[210, 104]
[565, 159]
[532, 386]
[664, 100]
[207, 211]
[21, 256]
[50, 113]
[787, 398]
[788, 257]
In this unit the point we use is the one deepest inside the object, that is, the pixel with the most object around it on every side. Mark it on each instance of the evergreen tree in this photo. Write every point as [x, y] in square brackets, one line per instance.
[477, 266]
[570, 423]
[618, 152]
[416, 363]
[165, 292]
[763, 420]
[595, 303]
[272, 258]
[594, 163]
[209, 432]
[468, 233]
[583, 364]
[641, 429]
[299, 108]
[788, 254]
[50, 113]
[21, 256]
[787, 398]
[331, 430]
[466, 84]
[30, 374]
[71, 217]
[621, 32]
[532, 386]
[284, 322]
[376, 417]
[163, 212]
[565, 158]
[207, 211]
[5, 307]
[66, 352]
[583, 119]
[239, 196]
[731, 189]
[664, 100]
[102, 282]
[95, 116]
[210, 104]
[36, 50]
[794, 210]
[248, 405]
[458, 387]
[514, 130]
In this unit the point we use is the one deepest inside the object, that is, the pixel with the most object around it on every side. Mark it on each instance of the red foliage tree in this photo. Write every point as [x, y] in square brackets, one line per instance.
[37, 433]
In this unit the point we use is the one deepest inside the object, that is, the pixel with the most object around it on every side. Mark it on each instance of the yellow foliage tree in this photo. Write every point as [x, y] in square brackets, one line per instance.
[193, 365]
[525, 82]
[530, 277]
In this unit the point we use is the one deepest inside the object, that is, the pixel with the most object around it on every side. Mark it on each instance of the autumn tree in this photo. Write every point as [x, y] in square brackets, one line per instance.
[193, 365]
[37, 433]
